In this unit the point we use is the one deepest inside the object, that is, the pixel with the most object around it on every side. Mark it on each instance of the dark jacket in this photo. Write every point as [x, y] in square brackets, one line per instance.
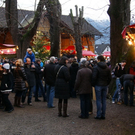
[101, 75]
[83, 81]
[38, 72]
[6, 82]
[61, 85]
[127, 77]
[30, 73]
[49, 74]
[73, 72]
[20, 78]
[118, 71]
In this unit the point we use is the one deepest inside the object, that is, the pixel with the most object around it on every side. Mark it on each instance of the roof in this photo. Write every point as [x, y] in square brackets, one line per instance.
[87, 28]
[99, 48]
[25, 17]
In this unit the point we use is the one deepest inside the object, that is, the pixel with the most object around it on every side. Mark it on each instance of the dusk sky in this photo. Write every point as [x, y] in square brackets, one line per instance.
[94, 9]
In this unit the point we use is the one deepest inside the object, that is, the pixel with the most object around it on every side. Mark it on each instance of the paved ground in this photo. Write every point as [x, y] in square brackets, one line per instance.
[39, 120]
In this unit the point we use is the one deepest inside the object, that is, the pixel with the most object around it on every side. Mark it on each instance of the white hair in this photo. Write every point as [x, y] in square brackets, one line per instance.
[52, 59]
[83, 59]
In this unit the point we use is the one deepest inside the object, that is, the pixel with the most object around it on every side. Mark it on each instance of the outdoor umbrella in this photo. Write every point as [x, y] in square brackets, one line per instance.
[88, 53]
[107, 54]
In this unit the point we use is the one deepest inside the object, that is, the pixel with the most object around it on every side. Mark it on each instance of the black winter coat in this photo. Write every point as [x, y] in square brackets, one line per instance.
[49, 74]
[30, 73]
[61, 86]
[20, 78]
[39, 73]
[127, 77]
[101, 75]
[73, 72]
[6, 82]
[119, 72]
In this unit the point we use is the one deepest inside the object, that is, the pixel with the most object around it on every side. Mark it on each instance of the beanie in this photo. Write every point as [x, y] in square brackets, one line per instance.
[6, 66]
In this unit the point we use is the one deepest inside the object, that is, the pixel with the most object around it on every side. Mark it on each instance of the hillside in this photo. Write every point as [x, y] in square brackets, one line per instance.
[104, 27]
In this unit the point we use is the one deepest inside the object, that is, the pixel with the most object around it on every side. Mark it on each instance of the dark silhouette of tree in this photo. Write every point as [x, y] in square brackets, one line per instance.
[54, 16]
[77, 23]
[119, 12]
[21, 37]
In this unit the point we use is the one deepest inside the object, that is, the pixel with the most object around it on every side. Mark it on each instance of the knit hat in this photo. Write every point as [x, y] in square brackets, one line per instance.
[83, 59]
[29, 49]
[6, 66]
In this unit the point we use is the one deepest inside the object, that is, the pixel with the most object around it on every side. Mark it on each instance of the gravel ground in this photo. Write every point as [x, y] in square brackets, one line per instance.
[40, 120]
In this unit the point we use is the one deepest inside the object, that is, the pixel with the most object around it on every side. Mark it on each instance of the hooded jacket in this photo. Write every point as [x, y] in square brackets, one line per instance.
[31, 56]
[101, 75]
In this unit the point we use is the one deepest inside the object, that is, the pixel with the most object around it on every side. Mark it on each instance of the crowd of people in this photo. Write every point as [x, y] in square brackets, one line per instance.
[63, 78]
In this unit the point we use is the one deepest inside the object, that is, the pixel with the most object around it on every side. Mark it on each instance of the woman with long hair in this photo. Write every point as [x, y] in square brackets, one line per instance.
[62, 91]
[20, 85]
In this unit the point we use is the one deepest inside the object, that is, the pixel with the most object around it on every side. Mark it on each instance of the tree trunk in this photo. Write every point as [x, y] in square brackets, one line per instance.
[119, 12]
[22, 40]
[77, 23]
[77, 36]
[54, 17]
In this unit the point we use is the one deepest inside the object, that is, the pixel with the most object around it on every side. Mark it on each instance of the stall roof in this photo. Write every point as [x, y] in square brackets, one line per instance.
[4, 46]
[25, 17]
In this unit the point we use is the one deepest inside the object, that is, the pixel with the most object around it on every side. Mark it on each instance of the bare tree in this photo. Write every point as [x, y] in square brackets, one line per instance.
[23, 37]
[119, 12]
[54, 17]
[77, 23]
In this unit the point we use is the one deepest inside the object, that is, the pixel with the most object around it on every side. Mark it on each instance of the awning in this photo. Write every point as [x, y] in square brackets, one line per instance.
[8, 51]
[107, 54]
[88, 53]
[7, 48]
[129, 32]
[4, 46]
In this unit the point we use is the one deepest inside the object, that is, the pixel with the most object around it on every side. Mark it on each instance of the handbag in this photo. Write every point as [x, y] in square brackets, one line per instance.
[59, 71]
[26, 84]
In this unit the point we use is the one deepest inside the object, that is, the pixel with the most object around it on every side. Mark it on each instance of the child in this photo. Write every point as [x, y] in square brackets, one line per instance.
[29, 54]
[6, 87]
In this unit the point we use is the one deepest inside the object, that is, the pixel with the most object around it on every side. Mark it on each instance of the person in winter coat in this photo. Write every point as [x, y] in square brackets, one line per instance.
[30, 73]
[84, 88]
[131, 69]
[73, 72]
[1, 73]
[119, 71]
[6, 87]
[49, 76]
[20, 86]
[29, 54]
[62, 91]
[90, 66]
[39, 75]
[101, 77]
[127, 81]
